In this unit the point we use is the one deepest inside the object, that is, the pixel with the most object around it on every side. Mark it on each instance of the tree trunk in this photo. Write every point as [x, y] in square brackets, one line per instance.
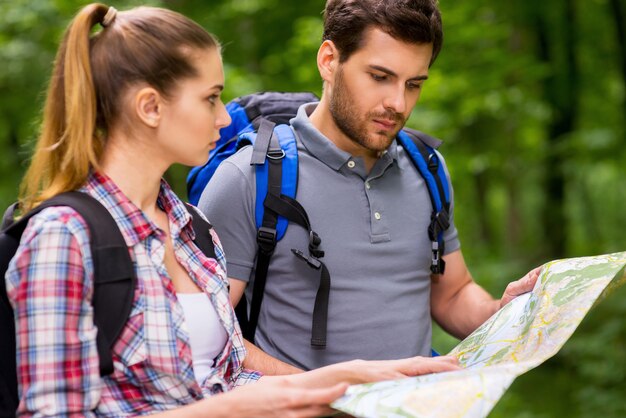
[617, 9]
[561, 92]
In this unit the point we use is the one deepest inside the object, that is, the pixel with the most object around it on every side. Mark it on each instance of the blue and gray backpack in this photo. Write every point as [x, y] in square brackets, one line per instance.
[261, 120]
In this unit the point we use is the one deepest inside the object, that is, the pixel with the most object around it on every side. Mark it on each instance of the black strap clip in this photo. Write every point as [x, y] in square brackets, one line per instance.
[266, 238]
[433, 162]
[439, 222]
[311, 261]
[314, 243]
[437, 265]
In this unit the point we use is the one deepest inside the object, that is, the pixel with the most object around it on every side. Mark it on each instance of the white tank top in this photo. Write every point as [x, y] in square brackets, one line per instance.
[207, 336]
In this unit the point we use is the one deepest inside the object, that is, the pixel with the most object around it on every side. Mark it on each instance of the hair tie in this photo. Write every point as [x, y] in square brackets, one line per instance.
[109, 17]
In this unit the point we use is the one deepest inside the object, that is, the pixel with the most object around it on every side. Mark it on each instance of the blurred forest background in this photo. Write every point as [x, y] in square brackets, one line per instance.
[530, 99]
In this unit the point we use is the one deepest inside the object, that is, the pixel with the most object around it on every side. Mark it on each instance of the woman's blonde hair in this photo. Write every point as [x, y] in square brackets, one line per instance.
[145, 44]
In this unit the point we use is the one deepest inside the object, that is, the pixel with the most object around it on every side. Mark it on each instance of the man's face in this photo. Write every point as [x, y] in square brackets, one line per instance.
[374, 91]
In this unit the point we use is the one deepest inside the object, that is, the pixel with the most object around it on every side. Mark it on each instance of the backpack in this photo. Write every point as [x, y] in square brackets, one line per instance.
[246, 113]
[259, 120]
[114, 282]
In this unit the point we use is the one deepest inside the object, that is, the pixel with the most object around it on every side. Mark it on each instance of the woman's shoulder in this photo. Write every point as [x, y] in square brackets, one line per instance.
[62, 222]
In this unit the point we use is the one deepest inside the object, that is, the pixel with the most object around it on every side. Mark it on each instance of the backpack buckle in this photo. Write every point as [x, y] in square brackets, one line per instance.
[433, 162]
[437, 265]
[314, 242]
[276, 154]
[266, 238]
[439, 221]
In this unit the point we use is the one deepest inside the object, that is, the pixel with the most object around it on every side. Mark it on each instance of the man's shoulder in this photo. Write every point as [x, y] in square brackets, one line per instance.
[240, 160]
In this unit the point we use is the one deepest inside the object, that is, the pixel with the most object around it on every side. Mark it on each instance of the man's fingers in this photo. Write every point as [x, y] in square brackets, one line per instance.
[424, 365]
[447, 359]
[521, 286]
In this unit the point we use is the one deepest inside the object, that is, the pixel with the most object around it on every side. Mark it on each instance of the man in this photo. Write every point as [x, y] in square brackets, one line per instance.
[365, 200]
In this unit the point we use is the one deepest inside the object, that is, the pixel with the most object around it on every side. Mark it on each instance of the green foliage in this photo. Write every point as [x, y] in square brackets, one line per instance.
[530, 98]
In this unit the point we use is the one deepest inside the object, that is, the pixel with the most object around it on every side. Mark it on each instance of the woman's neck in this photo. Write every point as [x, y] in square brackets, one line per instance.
[134, 170]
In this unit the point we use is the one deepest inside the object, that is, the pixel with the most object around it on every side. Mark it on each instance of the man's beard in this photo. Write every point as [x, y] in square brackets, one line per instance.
[343, 110]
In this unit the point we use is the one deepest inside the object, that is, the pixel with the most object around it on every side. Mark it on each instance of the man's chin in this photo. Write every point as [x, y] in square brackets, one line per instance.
[380, 142]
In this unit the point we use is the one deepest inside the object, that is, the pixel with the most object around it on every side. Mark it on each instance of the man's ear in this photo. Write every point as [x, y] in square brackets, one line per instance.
[148, 106]
[327, 60]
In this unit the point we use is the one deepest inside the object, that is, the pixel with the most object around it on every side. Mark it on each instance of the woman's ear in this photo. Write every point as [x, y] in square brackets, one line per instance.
[327, 60]
[148, 106]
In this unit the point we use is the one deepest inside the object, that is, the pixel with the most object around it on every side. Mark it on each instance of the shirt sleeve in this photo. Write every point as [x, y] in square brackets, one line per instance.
[50, 288]
[247, 376]
[228, 202]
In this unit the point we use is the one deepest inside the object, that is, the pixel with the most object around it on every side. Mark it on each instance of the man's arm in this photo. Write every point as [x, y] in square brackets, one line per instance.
[257, 359]
[460, 305]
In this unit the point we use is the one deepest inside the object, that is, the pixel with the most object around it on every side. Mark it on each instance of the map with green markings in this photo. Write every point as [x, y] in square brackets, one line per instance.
[525, 333]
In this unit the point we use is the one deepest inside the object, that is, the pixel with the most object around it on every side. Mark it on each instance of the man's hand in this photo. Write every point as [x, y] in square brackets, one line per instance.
[361, 371]
[521, 286]
[374, 371]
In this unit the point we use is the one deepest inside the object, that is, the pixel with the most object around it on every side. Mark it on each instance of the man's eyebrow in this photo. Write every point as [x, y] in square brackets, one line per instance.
[393, 74]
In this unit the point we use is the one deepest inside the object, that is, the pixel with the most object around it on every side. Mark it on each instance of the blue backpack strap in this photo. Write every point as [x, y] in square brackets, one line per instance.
[425, 158]
[285, 150]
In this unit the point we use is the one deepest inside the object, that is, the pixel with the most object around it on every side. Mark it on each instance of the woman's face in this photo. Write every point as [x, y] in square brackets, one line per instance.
[194, 114]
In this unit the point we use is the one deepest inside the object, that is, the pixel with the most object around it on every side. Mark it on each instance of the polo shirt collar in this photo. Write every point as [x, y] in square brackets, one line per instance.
[323, 148]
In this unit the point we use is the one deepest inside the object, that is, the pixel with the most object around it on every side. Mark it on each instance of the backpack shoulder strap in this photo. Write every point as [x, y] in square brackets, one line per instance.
[114, 277]
[275, 157]
[421, 150]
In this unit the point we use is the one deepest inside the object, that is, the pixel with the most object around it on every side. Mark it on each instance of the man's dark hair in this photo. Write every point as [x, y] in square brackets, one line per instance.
[411, 21]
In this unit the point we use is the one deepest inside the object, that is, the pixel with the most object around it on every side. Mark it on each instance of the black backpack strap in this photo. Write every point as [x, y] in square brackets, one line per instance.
[261, 145]
[267, 148]
[114, 275]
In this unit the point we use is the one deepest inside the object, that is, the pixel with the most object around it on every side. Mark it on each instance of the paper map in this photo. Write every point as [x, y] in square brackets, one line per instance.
[525, 333]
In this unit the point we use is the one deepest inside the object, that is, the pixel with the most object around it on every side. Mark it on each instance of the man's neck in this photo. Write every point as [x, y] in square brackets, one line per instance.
[323, 121]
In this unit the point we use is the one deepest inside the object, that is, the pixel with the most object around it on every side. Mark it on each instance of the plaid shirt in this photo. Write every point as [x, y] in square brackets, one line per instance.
[50, 285]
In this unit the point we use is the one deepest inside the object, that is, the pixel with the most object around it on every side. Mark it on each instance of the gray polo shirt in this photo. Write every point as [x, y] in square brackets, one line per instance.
[373, 228]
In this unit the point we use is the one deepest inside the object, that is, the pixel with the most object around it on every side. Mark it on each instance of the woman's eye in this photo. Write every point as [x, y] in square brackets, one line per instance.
[377, 77]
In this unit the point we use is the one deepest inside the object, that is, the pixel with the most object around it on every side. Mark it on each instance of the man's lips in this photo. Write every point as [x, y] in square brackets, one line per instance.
[385, 123]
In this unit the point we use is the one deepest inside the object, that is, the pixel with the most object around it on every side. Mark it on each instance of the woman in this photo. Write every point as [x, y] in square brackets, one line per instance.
[123, 105]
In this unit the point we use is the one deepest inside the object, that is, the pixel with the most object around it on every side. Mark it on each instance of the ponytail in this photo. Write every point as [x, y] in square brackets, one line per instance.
[68, 146]
[142, 45]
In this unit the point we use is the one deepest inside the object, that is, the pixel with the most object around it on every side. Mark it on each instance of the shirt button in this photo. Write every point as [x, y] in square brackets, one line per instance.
[367, 185]
[377, 216]
[351, 164]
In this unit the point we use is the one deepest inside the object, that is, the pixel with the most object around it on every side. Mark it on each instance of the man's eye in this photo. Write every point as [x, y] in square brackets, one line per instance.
[377, 77]
[414, 86]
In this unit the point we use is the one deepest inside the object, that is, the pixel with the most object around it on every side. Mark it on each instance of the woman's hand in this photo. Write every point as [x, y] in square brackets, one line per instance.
[282, 397]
